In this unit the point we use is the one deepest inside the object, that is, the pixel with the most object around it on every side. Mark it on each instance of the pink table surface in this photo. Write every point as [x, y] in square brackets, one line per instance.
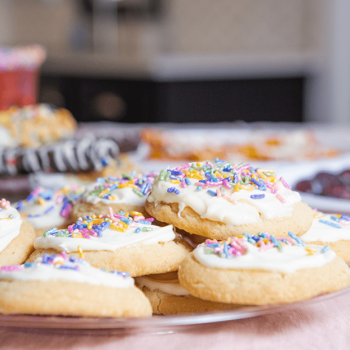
[324, 325]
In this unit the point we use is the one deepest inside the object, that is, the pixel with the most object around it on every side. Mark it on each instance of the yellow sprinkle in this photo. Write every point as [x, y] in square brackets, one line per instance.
[198, 164]
[265, 240]
[311, 251]
[41, 201]
[136, 213]
[111, 198]
[237, 187]
[319, 215]
[175, 182]
[93, 216]
[240, 236]
[5, 219]
[126, 214]
[77, 235]
[81, 253]
[338, 216]
[247, 187]
[103, 192]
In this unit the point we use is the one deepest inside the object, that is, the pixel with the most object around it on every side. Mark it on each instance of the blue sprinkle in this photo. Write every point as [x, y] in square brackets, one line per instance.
[256, 182]
[204, 181]
[226, 250]
[173, 177]
[274, 240]
[170, 189]
[104, 162]
[72, 258]
[257, 196]
[256, 237]
[199, 188]
[121, 212]
[144, 222]
[188, 181]
[325, 248]
[296, 238]
[100, 179]
[345, 217]
[49, 209]
[138, 230]
[213, 245]
[124, 274]
[175, 172]
[176, 191]
[51, 231]
[147, 188]
[29, 264]
[19, 205]
[247, 235]
[330, 223]
[235, 178]
[335, 219]
[212, 193]
[45, 259]
[30, 197]
[217, 160]
[68, 268]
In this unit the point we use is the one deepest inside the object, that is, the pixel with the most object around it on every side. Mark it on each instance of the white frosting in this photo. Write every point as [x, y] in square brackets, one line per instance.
[86, 274]
[51, 219]
[246, 211]
[292, 258]
[170, 287]
[326, 233]
[9, 229]
[122, 195]
[111, 239]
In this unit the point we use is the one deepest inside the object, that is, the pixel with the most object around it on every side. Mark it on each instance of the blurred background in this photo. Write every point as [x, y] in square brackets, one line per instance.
[189, 61]
[151, 79]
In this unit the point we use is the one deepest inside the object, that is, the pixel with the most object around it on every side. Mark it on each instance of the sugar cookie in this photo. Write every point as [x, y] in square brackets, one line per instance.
[332, 230]
[168, 297]
[123, 242]
[56, 285]
[260, 270]
[224, 199]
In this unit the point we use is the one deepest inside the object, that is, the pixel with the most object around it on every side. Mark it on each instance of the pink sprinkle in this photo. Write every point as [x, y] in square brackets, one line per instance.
[66, 212]
[85, 235]
[70, 228]
[202, 173]
[117, 216]
[229, 198]
[265, 247]
[12, 268]
[134, 224]
[149, 219]
[93, 233]
[139, 217]
[211, 164]
[225, 183]
[36, 191]
[218, 192]
[64, 255]
[4, 203]
[280, 198]
[344, 222]
[183, 184]
[211, 183]
[243, 167]
[199, 184]
[262, 246]
[185, 166]
[285, 183]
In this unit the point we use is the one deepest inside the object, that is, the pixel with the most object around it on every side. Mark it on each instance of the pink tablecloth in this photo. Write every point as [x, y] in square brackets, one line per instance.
[324, 325]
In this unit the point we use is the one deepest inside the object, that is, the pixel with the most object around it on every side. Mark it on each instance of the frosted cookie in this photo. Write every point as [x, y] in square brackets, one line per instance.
[262, 269]
[127, 192]
[45, 208]
[123, 241]
[332, 230]
[168, 297]
[58, 285]
[16, 236]
[224, 199]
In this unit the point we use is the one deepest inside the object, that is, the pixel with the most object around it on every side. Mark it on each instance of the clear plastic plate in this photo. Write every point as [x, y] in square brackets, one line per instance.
[154, 325]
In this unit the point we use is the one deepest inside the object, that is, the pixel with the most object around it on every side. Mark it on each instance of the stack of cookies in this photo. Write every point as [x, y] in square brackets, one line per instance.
[200, 237]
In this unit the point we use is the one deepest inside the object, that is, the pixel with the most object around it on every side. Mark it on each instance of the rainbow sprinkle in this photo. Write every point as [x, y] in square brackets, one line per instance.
[216, 177]
[93, 226]
[235, 247]
[141, 185]
[58, 261]
[65, 197]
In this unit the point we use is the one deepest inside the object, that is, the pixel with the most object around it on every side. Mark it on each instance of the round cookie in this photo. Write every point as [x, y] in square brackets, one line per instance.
[241, 272]
[56, 285]
[16, 236]
[45, 208]
[332, 230]
[224, 199]
[127, 192]
[168, 297]
[118, 242]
